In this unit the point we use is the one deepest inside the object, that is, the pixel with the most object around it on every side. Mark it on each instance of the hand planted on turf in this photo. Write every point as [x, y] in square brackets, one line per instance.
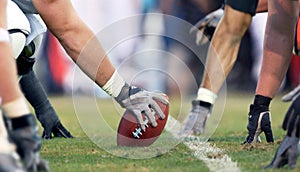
[58, 130]
[291, 121]
[139, 101]
[286, 154]
[195, 122]
[259, 120]
[288, 151]
[206, 27]
[28, 145]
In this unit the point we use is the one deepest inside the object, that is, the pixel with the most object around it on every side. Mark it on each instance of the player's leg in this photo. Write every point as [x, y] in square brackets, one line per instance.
[22, 30]
[22, 127]
[35, 94]
[221, 57]
[8, 160]
[279, 36]
[288, 151]
[224, 48]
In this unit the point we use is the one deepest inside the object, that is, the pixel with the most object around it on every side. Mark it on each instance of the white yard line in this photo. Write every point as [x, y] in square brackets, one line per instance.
[204, 151]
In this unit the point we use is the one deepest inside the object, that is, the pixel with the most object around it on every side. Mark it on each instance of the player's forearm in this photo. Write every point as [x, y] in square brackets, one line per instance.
[277, 47]
[77, 39]
[86, 50]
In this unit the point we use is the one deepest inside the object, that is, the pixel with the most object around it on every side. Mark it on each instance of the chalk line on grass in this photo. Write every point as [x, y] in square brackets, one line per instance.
[214, 157]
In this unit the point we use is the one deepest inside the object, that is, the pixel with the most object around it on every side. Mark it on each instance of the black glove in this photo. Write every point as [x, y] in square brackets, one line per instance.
[23, 132]
[58, 130]
[195, 122]
[259, 120]
[288, 151]
[37, 97]
[291, 122]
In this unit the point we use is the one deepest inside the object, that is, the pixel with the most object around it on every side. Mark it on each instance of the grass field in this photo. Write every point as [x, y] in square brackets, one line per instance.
[81, 154]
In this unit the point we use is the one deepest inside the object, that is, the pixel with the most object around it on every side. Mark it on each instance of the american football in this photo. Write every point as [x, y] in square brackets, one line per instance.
[130, 134]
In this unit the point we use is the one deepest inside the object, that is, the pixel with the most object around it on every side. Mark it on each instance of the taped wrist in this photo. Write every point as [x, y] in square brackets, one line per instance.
[206, 95]
[114, 85]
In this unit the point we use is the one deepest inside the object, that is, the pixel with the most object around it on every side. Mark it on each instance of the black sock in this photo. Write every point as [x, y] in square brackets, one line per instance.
[262, 100]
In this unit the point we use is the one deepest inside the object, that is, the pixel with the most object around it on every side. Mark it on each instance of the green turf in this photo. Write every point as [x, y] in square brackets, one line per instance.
[82, 154]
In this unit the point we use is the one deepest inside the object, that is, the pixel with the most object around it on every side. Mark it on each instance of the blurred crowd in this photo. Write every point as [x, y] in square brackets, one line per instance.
[56, 71]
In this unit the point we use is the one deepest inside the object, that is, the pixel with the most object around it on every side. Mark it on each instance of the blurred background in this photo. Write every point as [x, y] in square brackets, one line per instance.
[55, 69]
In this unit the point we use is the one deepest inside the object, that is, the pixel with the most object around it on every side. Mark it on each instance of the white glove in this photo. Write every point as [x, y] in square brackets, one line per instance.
[195, 122]
[139, 101]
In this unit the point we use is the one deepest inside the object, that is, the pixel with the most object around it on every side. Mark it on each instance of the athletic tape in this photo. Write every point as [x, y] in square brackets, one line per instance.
[206, 95]
[114, 85]
[4, 35]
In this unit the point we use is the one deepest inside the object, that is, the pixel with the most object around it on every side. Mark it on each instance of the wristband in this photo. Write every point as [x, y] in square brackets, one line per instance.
[4, 35]
[114, 85]
[206, 96]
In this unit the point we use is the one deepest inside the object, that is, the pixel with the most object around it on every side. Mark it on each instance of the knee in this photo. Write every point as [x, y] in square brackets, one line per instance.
[238, 28]
[235, 23]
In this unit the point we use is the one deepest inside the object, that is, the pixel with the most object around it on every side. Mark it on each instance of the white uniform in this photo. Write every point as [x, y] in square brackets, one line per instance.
[28, 27]
[26, 6]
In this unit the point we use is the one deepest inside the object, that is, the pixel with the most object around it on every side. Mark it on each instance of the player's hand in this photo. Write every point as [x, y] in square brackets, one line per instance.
[10, 162]
[288, 152]
[259, 120]
[58, 130]
[292, 95]
[139, 101]
[195, 122]
[291, 121]
[206, 27]
[28, 144]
